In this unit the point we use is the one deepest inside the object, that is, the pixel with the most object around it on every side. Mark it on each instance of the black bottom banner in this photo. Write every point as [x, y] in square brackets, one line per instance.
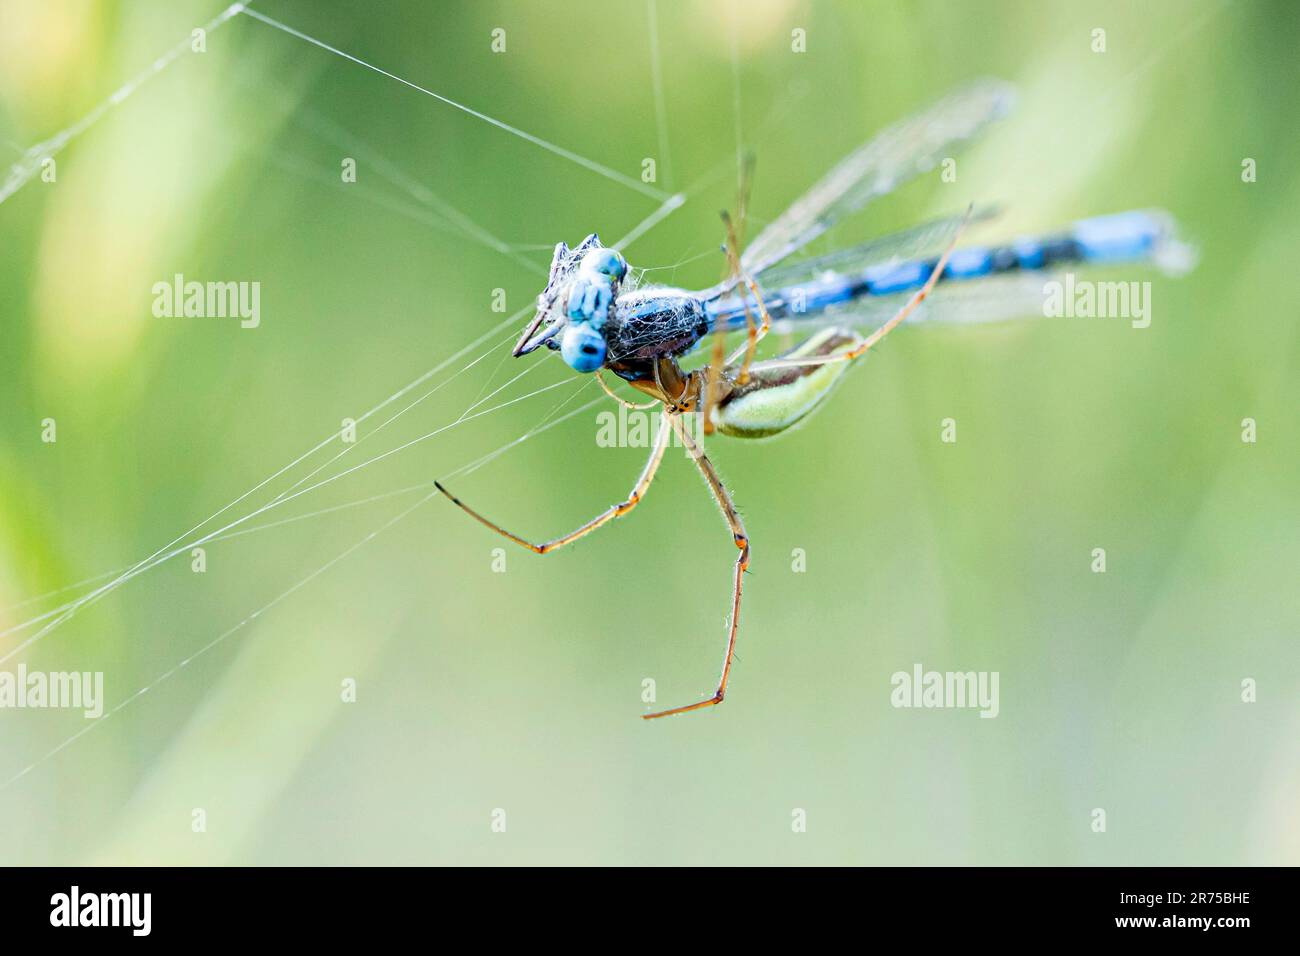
[1223, 907]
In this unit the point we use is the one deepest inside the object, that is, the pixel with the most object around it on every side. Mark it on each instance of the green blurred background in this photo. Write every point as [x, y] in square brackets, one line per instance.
[521, 690]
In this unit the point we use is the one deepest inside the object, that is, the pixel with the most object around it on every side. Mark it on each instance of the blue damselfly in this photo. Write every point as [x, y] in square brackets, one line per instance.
[597, 314]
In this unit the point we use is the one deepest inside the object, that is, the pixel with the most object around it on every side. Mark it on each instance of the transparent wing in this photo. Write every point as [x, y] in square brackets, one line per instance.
[920, 242]
[965, 302]
[878, 167]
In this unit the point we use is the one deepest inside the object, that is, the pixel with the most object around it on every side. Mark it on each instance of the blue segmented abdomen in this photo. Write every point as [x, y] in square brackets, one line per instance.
[1122, 237]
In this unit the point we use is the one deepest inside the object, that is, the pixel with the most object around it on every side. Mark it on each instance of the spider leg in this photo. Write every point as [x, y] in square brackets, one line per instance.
[713, 379]
[755, 336]
[614, 511]
[741, 539]
[735, 235]
[736, 239]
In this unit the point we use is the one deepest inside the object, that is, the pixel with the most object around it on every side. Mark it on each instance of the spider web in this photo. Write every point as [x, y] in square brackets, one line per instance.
[328, 460]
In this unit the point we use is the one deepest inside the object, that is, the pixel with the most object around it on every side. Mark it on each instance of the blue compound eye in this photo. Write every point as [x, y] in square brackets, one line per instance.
[583, 348]
[607, 262]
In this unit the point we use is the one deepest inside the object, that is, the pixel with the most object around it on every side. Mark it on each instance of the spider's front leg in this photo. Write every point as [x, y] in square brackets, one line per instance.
[614, 511]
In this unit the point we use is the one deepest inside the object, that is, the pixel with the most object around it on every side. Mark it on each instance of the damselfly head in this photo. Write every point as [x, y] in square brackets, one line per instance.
[576, 304]
[549, 318]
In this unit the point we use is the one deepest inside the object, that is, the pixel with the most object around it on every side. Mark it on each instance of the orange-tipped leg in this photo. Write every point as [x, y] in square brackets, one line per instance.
[742, 563]
[633, 499]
